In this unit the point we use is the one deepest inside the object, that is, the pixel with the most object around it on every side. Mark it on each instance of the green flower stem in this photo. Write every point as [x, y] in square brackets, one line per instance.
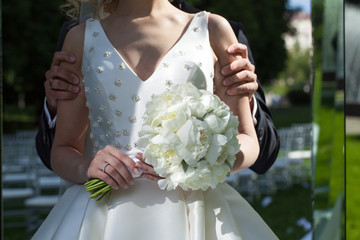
[99, 192]
[103, 195]
[92, 181]
[97, 188]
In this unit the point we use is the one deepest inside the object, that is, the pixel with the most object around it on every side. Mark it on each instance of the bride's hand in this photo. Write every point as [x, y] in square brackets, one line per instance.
[111, 165]
[148, 170]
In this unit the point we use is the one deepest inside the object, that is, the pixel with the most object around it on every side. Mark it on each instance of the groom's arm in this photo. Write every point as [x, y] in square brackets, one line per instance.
[44, 139]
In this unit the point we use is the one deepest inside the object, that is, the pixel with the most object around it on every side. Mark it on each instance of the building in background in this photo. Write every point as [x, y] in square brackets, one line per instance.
[300, 33]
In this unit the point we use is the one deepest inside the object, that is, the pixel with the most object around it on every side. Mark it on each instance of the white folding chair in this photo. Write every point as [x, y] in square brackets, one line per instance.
[46, 185]
[16, 177]
[281, 173]
[266, 183]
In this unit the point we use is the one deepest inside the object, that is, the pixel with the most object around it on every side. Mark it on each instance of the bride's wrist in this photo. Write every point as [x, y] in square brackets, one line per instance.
[84, 171]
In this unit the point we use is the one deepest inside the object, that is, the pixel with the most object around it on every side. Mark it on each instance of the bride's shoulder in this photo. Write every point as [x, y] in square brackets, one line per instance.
[75, 38]
[74, 44]
[221, 36]
[220, 31]
[218, 23]
[77, 32]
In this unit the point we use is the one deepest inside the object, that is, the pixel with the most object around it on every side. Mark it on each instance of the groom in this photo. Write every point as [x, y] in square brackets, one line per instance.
[62, 85]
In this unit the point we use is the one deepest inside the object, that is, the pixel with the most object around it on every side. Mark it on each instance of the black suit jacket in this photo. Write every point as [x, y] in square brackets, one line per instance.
[266, 132]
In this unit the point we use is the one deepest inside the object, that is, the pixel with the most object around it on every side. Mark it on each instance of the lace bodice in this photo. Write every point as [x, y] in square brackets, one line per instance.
[116, 96]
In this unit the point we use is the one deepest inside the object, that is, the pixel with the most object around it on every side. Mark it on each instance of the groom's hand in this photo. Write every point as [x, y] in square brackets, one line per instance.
[240, 77]
[60, 84]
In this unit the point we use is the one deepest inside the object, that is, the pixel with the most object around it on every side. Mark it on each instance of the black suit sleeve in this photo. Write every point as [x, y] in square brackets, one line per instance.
[44, 140]
[265, 129]
[45, 134]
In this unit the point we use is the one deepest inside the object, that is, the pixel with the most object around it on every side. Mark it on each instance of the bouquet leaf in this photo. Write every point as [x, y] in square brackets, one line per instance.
[184, 166]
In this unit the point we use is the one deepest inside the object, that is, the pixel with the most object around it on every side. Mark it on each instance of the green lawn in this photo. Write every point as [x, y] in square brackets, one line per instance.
[292, 204]
[284, 117]
[352, 188]
[287, 208]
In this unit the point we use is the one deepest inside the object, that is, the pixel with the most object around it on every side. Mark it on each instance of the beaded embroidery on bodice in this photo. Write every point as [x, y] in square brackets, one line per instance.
[116, 96]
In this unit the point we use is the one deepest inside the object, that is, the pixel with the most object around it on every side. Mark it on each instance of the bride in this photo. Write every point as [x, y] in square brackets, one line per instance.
[140, 49]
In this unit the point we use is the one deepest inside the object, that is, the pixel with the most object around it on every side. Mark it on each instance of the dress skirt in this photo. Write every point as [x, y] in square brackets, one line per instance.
[145, 212]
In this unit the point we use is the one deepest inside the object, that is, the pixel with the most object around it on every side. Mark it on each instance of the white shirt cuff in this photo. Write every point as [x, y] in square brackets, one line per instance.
[254, 110]
[51, 122]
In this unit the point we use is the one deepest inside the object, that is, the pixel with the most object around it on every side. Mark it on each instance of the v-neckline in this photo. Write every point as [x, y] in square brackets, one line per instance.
[162, 59]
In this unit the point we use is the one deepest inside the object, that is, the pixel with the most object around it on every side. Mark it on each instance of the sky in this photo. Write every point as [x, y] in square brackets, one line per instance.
[304, 4]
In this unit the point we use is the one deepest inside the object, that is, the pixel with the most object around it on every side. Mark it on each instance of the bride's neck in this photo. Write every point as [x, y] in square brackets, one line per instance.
[140, 8]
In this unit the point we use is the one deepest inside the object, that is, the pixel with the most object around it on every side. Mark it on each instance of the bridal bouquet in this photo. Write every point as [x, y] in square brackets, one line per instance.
[189, 137]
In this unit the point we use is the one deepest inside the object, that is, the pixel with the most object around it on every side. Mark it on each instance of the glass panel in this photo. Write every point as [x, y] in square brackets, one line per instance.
[352, 92]
[328, 119]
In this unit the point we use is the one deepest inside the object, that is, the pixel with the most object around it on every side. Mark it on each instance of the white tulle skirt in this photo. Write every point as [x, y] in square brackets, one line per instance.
[145, 212]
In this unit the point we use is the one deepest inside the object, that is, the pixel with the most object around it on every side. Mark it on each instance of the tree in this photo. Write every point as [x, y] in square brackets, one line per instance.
[30, 30]
[265, 22]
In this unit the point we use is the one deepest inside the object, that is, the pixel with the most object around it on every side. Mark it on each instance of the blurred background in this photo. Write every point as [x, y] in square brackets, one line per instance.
[298, 47]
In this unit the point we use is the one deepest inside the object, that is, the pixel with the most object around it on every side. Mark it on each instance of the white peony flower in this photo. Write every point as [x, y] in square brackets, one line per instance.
[189, 137]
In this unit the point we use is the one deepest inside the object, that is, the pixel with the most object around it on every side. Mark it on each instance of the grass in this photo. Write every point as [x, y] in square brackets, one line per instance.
[352, 187]
[287, 208]
[15, 119]
[286, 116]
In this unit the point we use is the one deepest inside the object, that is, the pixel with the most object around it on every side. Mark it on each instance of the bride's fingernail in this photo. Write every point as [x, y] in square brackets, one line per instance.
[138, 166]
[136, 171]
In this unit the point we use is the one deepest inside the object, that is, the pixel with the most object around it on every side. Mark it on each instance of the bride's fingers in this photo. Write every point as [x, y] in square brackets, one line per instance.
[124, 159]
[140, 156]
[151, 176]
[111, 180]
[145, 167]
[119, 173]
[110, 168]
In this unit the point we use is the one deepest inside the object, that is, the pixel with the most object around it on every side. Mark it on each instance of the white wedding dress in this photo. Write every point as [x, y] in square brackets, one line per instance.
[116, 98]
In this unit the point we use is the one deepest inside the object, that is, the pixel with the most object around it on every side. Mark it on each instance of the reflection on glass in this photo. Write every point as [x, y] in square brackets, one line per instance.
[328, 116]
[352, 74]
